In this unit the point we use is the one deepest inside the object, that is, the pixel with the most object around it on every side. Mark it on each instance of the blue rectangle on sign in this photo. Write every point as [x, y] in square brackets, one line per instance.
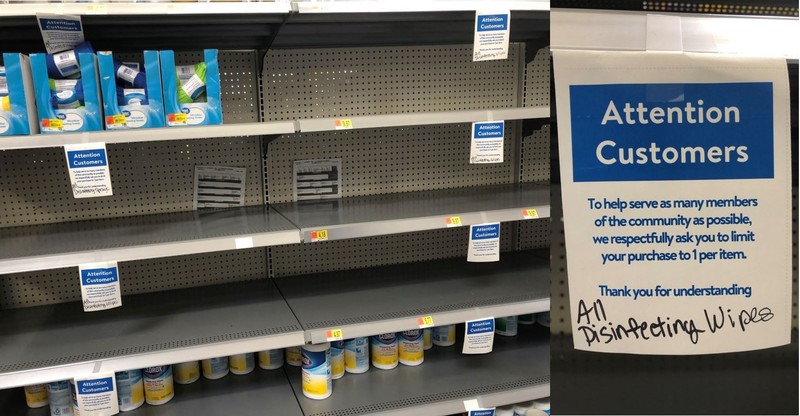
[491, 130]
[489, 22]
[60, 24]
[99, 276]
[485, 232]
[480, 327]
[95, 386]
[654, 132]
[93, 158]
[489, 412]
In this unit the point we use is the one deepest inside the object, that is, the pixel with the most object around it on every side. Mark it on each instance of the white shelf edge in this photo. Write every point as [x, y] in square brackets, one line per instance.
[119, 9]
[413, 6]
[507, 397]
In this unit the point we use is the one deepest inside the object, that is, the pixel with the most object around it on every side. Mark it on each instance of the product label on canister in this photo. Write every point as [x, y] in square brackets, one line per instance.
[316, 373]
[97, 395]
[185, 373]
[356, 354]
[158, 387]
[294, 356]
[270, 358]
[507, 325]
[337, 359]
[127, 74]
[214, 367]
[444, 334]
[66, 62]
[384, 349]
[242, 363]
[130, 388]
[60, 397]
[36, 395]
[410, 346]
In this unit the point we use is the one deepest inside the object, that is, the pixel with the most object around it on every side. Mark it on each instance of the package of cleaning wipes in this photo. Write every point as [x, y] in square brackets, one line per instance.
[132, 96]
[191, 92]
[17, 102]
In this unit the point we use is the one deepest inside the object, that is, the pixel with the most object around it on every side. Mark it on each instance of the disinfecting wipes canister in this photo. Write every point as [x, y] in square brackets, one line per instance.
[504, 411]
[215, 368]
[427, 342]
[186, 373]
[317, 382]
[270, 359]
[506, 326]
[521, 408]
[410, 348]
[158, 387]
[60, 396]
[337, 359]
[130, 390]
[444, 336]
[242, 363]
[36, 395]
[356, 355]
[74, 391]
[541, 404]
[527, 319]
[383, 349]
[294, 356]
[543, 319]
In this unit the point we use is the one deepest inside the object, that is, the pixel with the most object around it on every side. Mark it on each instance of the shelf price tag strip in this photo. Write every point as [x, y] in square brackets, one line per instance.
[318, 235]
[425, 322]
[334, 335]
[343, 124]
[453, 221]
[530, 214]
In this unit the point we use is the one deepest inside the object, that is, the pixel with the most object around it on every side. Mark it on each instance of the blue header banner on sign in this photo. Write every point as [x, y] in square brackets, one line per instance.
[488, 22]
[87, 158]
[654, 132]
[486, 412]
[485, 232]
[99, 276]
[60, 24]
[479, 327]
[490, 130]
[95, 386]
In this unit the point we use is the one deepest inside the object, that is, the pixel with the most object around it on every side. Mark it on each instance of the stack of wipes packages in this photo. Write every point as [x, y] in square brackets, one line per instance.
[132, 95]
[17, 102]
[191, 92]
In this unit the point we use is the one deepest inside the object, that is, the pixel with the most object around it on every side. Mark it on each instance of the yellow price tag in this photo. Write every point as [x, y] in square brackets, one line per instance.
[530, 214]
[97, 9]
[453, 221]
[120, 119]
[343, 123]
[425, 321]
[52, 124]
[334, 335]
[319, 235]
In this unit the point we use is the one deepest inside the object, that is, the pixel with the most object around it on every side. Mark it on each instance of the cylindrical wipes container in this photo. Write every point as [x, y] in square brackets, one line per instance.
[75, 410]
[215, 368]
[337, 359]
[356, 355]
[130, 390]
[521, 408]
[186, 373]
[36, 395]
[504, 411]
[444, 336]
[527, 319]
[270, 359]
[158, 387]
[383, 351]
[427, 341]
[410, 347]
[541, 404]
[506, 326]
[60, 397]
[317, 382]
[242, 364]
[294, 356]
[543, 319]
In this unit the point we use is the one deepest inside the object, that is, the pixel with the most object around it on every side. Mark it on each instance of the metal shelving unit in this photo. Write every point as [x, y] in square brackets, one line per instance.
[49, 246]
[416, 211]
[392, 298]
[50, 343]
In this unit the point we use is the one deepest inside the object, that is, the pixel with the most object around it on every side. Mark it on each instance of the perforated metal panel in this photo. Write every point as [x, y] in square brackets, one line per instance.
[21, 290]
[535, 160]
[537, 80]
[339, 82]
[376, 251]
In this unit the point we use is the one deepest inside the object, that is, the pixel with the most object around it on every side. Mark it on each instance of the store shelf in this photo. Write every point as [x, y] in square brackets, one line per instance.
[392, 298]
[147, 135]
[415, 211]
[51, 246]
[49, 343]
[143, 9]
[517, 370]
[412, 6]
[420, 119]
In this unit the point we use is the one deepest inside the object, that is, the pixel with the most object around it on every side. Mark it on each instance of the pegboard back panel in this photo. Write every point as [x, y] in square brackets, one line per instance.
[359, 253]
[339, 82]
[382, 161]
[536, 89]
[535, 159]
[22, 290]
[147, 178]
[534, 234]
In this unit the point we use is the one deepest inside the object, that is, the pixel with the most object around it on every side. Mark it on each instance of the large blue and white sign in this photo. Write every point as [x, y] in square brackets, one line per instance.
[60, 32]
[100, 288]
[487, 142]
[492, 28]
[97, 395]
[478, 336]
[677, 200]
[89, 174]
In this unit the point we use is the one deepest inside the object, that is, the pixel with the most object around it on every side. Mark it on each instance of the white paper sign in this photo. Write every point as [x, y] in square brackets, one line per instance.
[478, 336]
[677, 200]
[88, 170]
[97, 395]
[484, 243]
[492, 30]
[219, 186]
[487, 142]
[60, 32]
[317, 179]
[100, 286]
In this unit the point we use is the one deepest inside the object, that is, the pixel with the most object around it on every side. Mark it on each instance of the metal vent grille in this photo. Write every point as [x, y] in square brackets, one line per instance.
[21, 290]
[537, 80]
[436, 398]
[535, 159]
[381, 161]
[340, 82]
[358, 253]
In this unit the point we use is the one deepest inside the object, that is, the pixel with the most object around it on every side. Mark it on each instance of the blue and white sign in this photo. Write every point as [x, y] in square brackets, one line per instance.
[100, 286]
[492, 30]
[97, 395]
[481, 412]
[487, 142]
[60, 32]
[484, 243]
[676, 191]
[88, 170]
[478, 336]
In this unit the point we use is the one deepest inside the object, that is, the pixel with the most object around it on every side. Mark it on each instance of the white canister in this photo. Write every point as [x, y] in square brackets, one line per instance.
[527, 319]
[543, 319]
[521, 408]
[36, 395]
[444, 336]
[383, 351]
[186, 373]
[427, 342]
[60, 396]
[337, 360]
[506, 326]
[294, 356]
[215, 368]
[504, 411]
[410, 347]
[317, 383]
[356, 355]
[130, 390]
[270, 359]
[541, 404]
[241, 364]
[158, 386]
